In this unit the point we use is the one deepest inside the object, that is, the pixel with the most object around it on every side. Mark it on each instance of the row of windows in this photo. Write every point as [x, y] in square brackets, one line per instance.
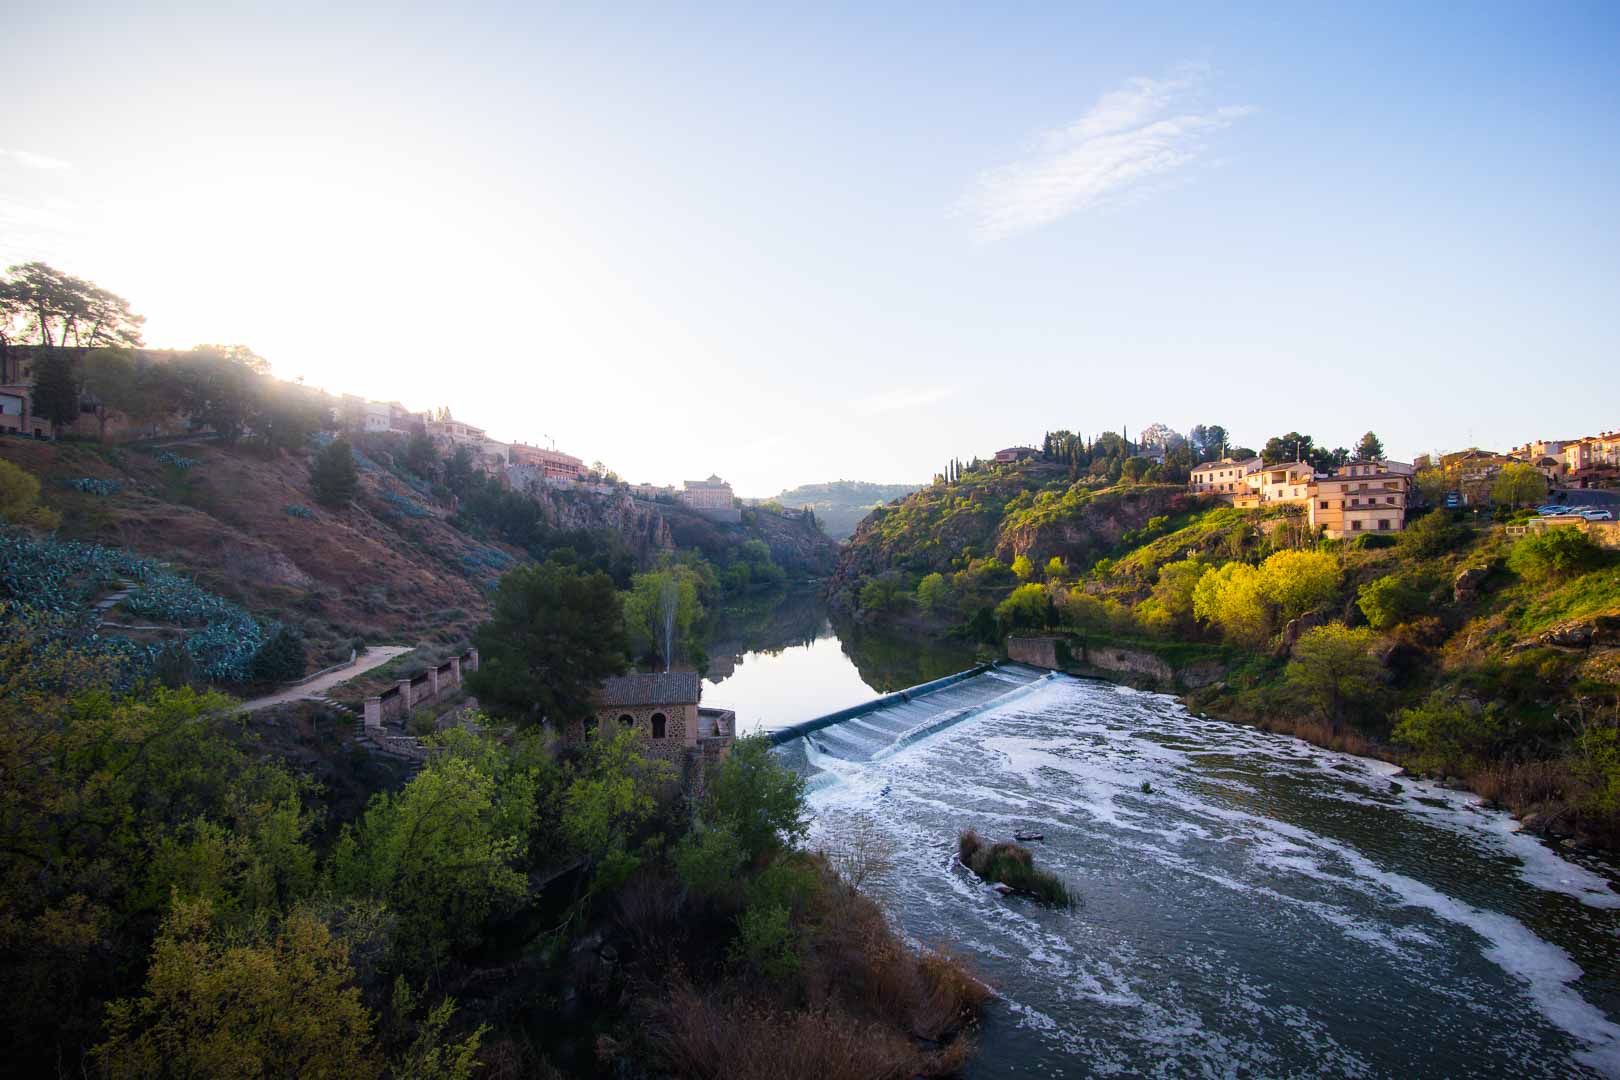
[660, 725]
[1383, 525]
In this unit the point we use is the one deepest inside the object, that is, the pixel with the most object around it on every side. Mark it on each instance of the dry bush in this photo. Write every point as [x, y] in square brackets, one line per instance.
[1524, 785]
[702, 1035]
[864, 853]
[649, 911]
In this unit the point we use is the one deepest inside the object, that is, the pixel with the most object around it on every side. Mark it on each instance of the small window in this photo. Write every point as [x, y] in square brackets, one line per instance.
[1355, 526]
[626, 720]
[1383, 523]
[1324, 504]
[659, 725]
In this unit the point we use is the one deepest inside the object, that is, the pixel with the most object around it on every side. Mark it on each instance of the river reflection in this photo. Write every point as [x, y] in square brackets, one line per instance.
[785, 659]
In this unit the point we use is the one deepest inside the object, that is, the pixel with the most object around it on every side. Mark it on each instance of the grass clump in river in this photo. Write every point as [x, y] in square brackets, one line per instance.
[1012, 866]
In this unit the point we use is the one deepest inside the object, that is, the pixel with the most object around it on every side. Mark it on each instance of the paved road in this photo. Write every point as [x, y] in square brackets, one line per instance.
[376, 656]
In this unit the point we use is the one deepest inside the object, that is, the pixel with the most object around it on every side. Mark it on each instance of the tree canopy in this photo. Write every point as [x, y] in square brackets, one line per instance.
[42, 305]
[555, 634]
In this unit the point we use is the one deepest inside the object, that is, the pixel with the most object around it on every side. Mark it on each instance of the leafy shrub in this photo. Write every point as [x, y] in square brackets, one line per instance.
[1432, 535]
[177, 461]
[1390, 600]
[707, 859]
[1372, 541]
[767, 942]
[92, 485]
[408, 507]
[1449, 731]
[19, 499]
[281, 658]
[1029, 607]
[1011, 865]
[1554, 555]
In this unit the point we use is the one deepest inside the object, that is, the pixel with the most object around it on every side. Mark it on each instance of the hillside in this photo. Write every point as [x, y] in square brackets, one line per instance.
[1459, 648]
[993, 514]
[841, 504]
[403, 563]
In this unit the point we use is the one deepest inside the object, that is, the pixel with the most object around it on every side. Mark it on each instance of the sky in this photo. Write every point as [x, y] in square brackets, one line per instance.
[789, 247]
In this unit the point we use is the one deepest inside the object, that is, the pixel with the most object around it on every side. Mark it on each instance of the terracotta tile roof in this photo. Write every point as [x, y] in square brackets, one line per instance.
[662, 688]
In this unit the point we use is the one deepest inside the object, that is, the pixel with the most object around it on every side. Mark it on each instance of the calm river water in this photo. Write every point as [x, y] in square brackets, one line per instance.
[1266, 909]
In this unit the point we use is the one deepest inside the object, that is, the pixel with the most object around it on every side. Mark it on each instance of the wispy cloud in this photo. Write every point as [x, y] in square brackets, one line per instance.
[36, 161]
[1140, 133]
[903, 398]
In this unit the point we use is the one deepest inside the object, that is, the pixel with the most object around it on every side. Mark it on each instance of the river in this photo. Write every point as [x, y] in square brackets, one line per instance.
[1264, 908]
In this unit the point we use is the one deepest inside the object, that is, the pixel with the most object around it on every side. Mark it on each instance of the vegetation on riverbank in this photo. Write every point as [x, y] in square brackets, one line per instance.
[180, 901]
[1011, 865]
[1454, 648]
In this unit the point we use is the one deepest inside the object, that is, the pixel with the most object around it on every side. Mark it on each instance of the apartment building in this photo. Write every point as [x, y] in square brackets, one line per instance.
[1228, 476]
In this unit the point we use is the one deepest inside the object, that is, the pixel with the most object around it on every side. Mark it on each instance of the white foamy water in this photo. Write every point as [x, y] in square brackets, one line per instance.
[1267, 908]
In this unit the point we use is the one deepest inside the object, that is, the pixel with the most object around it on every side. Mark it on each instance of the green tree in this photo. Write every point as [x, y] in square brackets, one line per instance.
[1023, 568]
[112, 384]
[1390, 600]
[555, 634]
[1231, 597]
[606, 805]
[1028, 607]
[332, 477]
[1555, 555]
[60, 309]
[56, 391]
[281, 1003]
[447, 852]
[1433, 485]
[1332, 667]
[422, 457]
[1450, 732]
[1290, 447]
[1370, 448]
[933, 593]
[1177, 584]
[1432, 535]
[1299, 581]
[758, 799]
[882, 593]
[281, 658]
[1518, 484]
[1056, 568]
[19, 499]
[674, 588]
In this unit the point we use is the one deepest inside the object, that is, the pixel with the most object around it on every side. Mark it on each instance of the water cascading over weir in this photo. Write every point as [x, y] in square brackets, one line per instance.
[879, 727]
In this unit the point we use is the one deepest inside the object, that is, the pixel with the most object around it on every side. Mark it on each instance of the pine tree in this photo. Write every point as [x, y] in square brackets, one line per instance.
[56, 392]
[332, 477]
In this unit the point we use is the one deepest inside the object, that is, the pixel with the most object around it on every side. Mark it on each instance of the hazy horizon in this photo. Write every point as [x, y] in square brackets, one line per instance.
[788, 248]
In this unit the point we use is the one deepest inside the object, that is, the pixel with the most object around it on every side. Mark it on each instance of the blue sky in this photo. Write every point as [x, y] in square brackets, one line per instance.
[788, 247]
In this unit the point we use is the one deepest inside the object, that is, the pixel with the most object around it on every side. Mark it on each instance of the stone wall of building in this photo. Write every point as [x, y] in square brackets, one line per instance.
[680, 727]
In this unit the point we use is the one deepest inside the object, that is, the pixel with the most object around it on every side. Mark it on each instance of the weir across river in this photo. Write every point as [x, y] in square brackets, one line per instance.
[878, 727]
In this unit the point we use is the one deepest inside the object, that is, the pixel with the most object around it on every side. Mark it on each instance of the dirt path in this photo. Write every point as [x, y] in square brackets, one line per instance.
[376, 656]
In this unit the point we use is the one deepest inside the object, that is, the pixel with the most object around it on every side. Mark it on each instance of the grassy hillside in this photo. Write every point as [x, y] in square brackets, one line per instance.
[981, 523]
[405, 562]
[1456, 649]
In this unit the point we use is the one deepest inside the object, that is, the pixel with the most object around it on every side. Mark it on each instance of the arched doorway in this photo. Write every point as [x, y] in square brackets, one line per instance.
[658, 725]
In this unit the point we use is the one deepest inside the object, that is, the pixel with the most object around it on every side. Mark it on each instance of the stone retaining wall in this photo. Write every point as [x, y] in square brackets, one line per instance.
[396, 704]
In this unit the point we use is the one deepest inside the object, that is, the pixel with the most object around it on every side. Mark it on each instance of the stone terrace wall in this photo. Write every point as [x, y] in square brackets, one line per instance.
[407, 694]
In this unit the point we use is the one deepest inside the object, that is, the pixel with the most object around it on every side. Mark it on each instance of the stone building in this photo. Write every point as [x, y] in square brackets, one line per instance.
[1015, 453]
[663, 707]
[545, 466]
[711, 494]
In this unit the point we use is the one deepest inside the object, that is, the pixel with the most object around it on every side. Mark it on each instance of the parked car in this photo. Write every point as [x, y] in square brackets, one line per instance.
[1596, 515]
[1547, 511]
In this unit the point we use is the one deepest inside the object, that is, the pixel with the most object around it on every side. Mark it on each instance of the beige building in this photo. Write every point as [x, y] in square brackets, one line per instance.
[1362, 497]
[1270, 485]
[546, 466]
[711, 494]
[1224, 477]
